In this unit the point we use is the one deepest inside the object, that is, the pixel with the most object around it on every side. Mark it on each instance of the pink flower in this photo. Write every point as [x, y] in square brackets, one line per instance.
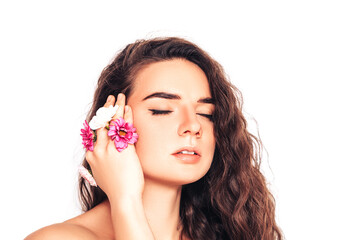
[122, 133]
[87, 175]
[88, 137]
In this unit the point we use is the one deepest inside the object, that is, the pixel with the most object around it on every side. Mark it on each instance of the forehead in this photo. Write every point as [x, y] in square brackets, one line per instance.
[177, 76]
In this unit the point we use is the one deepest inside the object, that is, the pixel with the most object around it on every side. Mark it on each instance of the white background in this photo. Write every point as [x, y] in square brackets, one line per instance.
[297, 64]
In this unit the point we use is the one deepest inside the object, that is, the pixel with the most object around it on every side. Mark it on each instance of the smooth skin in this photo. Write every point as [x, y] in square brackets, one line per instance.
[143, 182]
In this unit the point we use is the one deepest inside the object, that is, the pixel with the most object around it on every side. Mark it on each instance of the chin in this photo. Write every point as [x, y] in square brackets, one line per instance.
[176, 178]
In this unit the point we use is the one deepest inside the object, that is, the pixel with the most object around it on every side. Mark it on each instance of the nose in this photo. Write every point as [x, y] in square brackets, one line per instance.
[189, 124]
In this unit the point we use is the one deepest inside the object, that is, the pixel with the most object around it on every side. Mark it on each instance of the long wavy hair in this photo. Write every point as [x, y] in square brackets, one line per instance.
[232, 200]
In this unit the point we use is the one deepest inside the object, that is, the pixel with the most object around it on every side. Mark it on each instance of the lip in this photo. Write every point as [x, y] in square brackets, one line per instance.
[189, 149]
[187, 158]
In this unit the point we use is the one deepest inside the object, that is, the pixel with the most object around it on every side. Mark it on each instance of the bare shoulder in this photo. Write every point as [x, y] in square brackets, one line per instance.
[62, 231]
[93, 224]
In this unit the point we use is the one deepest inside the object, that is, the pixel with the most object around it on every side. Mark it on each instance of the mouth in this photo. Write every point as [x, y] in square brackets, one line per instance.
[187, 155]
[188, 151]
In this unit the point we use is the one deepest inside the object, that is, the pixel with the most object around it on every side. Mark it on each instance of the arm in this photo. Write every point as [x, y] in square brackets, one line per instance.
[120, 176]
[129, 220]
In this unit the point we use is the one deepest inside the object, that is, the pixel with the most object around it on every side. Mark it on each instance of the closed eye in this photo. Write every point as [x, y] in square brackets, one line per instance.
[159, 112]
[209, 116]
[165, 112]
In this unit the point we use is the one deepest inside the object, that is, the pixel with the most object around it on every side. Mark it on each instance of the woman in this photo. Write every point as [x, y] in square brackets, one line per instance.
[193, 172]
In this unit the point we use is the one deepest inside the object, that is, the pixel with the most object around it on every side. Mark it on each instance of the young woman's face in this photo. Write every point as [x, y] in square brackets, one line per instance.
[171, 103]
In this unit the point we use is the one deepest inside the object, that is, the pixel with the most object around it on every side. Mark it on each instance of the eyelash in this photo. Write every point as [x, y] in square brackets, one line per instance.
[161, 112]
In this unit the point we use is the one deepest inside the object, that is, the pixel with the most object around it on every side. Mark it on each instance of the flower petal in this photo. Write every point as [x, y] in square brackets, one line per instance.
[87, 176]
[87, 137]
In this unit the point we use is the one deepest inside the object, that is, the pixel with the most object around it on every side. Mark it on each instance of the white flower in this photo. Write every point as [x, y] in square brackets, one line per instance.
[102, 117]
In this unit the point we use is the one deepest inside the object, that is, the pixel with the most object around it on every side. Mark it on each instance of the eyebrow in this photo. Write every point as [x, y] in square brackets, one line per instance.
[176, 97]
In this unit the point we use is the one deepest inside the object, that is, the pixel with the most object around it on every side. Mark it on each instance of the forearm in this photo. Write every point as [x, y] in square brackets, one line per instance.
[129, 220]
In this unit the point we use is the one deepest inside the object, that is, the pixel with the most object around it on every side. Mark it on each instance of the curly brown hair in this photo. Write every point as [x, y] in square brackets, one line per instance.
[232, 200]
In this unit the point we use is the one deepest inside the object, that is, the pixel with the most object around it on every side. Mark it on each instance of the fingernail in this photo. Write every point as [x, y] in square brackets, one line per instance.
[108, 98]
[127, 108]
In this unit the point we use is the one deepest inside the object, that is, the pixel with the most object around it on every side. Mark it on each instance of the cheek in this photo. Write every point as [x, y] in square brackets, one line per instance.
[152, 137]
[209, 142]
[148, 142]
[209, 137]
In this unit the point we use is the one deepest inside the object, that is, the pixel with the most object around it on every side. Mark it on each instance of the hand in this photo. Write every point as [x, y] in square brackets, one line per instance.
[118, 174]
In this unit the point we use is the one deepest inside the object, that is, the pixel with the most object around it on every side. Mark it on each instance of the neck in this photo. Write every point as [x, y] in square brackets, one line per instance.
[162, 206]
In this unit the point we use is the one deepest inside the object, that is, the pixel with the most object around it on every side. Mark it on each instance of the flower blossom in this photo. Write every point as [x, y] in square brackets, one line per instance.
[85, 173]
[102, 117]
[122, 133]
[88, 137]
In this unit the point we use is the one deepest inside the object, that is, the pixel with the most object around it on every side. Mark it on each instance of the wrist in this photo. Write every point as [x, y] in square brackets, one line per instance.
[126, 203]
[129, 219]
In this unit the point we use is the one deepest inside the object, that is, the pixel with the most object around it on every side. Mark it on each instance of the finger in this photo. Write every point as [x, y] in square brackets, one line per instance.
[128, 116]
[110, 101]
[101, 133]
[89, 156]
[121, 103]
[102, 138]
